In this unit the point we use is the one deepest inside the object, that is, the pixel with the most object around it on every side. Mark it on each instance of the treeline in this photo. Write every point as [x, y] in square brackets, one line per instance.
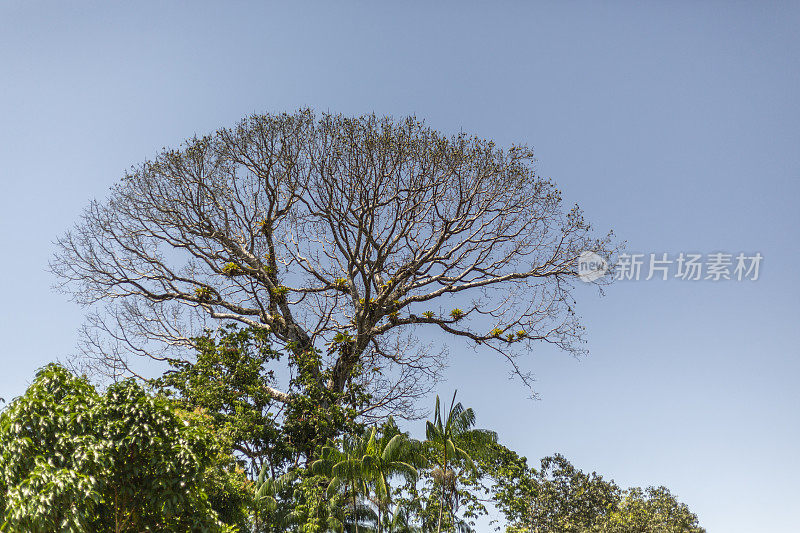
[206, 447]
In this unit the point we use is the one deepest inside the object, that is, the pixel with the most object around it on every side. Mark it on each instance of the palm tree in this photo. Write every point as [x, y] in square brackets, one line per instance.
[452, 440]
[388, 457]
[343, 466]
[399, 521]
[364, 465]
[267, 492]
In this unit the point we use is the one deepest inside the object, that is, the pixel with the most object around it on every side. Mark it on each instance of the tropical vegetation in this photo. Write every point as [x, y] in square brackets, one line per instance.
[204, 448]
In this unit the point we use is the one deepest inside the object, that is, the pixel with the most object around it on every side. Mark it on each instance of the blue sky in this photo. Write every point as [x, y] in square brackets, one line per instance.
[677, 125]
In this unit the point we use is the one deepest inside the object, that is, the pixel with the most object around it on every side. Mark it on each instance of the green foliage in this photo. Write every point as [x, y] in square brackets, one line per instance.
[317, 414]
[231, 378]
[654, 510]
[558, 497]
[313, 510]
[270, 513]
[229, 381]
[561, 498]
[226, 484]
[570, 500]
[72, 459]
[203, 293]
[232, 269]
[514, 486]
[457, 314]
[214, 452]
[280, 291]
[360, 467]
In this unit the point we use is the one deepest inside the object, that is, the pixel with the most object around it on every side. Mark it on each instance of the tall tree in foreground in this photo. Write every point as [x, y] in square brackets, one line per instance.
[341, 236]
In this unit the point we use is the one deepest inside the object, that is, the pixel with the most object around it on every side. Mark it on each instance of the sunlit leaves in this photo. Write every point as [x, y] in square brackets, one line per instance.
[73, 459]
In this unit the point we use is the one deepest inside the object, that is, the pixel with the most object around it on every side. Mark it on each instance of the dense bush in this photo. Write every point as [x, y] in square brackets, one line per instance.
[75, 459]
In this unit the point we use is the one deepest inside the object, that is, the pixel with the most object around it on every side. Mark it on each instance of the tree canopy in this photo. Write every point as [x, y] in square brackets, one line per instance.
[341, 236]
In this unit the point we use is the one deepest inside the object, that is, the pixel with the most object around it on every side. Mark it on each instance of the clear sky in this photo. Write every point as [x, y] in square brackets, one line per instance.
[676, 125]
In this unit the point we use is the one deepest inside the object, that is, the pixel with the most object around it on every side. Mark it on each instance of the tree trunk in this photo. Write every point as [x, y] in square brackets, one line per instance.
[441, 497]
[355, 513]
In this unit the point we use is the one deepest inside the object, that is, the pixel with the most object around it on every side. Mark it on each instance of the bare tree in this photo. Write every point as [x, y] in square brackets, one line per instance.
[338, 234]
